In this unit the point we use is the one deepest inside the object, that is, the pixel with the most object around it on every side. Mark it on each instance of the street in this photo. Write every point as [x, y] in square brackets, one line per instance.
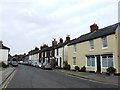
[32, 77]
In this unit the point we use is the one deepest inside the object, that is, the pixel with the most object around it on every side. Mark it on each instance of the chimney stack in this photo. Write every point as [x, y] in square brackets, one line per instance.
[93, 27]
[43, 46]
[36, 48]
[54, 42]
[67, 38]
[61, 40]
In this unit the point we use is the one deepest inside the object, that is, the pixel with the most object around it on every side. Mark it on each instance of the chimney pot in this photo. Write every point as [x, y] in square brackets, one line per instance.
[67, 38]
[61, 40]
[54, 42]
[93, 27]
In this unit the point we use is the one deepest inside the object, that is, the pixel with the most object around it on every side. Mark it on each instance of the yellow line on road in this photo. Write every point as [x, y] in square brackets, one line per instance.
[68, 74]
[5, 84]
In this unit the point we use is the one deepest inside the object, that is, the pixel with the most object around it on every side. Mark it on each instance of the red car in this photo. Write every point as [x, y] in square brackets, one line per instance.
[30, 63]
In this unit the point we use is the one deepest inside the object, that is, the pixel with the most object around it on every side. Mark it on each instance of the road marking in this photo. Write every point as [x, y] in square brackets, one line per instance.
[5, 84]
[68, 74]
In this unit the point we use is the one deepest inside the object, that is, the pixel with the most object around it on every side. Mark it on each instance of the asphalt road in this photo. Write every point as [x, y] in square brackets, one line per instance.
[32, 77]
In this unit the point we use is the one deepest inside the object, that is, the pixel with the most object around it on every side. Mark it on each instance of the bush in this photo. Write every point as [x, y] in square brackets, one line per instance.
[111, 70]
[67, 67]
[77, 68]
[55, 64]
[83, 69]
[65, 63]
[4, 65]
[0, 64]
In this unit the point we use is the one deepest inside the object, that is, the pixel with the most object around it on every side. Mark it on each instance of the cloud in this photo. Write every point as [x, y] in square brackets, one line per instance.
[26, 24]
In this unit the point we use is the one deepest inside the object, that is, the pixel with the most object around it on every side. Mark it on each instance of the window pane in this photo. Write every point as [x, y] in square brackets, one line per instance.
[110, 61]
[93, 61]
[104, 42]
[104, 61]
[74, 60]
[75, 48]
[88, 61]
[91, 44]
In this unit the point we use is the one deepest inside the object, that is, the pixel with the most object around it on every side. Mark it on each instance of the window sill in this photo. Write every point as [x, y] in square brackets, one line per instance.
[91, 50]
[90, 67]
[104, 67]
[104, 48]
[74, 65]
[74, 52]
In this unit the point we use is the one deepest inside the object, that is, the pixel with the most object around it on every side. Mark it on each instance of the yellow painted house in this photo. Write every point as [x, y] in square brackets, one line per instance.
[96, 50]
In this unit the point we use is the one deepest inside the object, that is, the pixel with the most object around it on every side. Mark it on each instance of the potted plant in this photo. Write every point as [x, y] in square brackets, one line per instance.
[111, 70]
[83, 69]
[68, 67]
[77, 68]
[4, 65]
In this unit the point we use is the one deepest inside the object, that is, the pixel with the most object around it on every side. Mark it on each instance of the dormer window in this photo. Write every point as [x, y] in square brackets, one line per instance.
[104, 42]
[91, 44]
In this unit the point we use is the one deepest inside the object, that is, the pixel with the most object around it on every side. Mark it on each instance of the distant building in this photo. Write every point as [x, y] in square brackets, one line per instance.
[47, 54]
[4, 53]
[61, 51]
[33, 55]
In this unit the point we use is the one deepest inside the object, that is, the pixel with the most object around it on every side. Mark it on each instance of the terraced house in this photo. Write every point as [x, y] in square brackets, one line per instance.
[34, 55]
[47, 54]
[61, 51]
[97, 50]
[4, 53]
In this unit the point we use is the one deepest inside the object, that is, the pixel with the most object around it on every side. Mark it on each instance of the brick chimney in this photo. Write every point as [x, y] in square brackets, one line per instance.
[61, 40]
[67, 38]
[93, 27]
[54, 42]
[43, 46]
[36, 48]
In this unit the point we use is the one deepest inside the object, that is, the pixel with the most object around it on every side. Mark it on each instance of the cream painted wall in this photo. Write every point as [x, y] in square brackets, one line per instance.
[65, 53]
[84, 48]
[118, 47]
[34, 57]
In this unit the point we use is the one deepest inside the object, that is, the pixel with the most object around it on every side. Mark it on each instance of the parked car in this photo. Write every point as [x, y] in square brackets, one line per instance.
[25, 63]
[21, 62]
[46, 66]
[34, 64]
[30, 63]
[39, 65]
[14, 63]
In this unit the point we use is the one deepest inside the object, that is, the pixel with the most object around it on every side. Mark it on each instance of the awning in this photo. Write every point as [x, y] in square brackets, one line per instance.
[100, 54]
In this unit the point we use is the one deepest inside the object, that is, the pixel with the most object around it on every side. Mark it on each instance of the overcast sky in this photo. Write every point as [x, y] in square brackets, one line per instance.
[25, 24]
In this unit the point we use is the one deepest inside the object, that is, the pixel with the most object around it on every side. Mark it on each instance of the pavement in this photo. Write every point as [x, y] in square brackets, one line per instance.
[114, 80]
[5, 73]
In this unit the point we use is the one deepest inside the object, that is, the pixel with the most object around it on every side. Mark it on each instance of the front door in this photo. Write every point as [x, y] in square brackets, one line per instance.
[98, 64]
[60, 62]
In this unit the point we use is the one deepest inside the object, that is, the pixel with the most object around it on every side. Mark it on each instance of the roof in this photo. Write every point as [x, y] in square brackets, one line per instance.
[4, 47]
[33, 52]
[46, 49]
[96, 34]
[61, 45]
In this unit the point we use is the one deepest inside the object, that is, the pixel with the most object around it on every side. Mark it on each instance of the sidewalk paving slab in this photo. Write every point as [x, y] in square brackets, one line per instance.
[93, 76]
[5, 73]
